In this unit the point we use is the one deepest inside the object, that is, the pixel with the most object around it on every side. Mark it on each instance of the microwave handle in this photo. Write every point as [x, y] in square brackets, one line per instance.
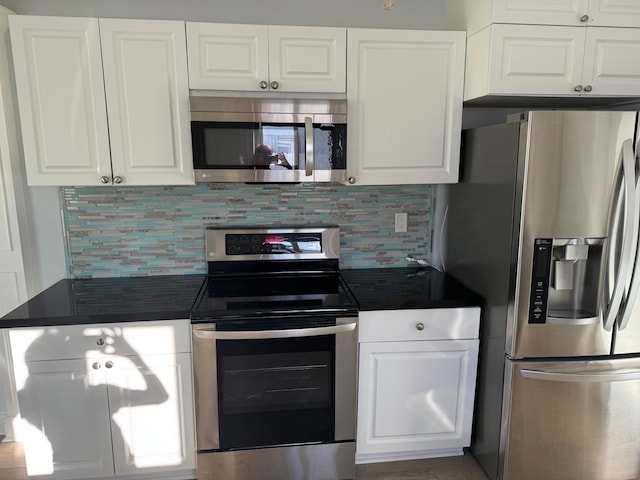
[308, 132]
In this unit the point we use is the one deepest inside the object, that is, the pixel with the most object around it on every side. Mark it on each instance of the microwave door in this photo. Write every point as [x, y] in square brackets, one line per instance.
[269, 152]
[283, 152]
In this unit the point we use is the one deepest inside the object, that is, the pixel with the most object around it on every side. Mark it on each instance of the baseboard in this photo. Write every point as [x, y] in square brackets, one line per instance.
[362, 458]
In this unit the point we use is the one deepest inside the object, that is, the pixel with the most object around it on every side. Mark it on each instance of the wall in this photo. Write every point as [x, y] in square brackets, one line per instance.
[160, 230]
[420, 14]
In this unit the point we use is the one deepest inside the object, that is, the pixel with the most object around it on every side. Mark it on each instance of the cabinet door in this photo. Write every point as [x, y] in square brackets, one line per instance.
[228, 56]
[405, 105]
[534, 60]
[614, 13]
[64, 419]
[58, 72]
[610, 66]
[147, 91]
[307, 59]
[540, 12]
[152, 414]
[415, 396]
[13, 284]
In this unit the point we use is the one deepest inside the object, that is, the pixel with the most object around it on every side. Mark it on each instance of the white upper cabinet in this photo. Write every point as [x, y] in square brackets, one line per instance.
[127, 124]
[405, 106]
[540, 60]
[59, 79]
[474, 15]
[227, 56]
[610, 61]
[614, 13]
[147, 90]
[266, 58]
[549, 48]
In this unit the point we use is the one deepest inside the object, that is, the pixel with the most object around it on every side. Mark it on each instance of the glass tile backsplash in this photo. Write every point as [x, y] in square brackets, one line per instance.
[125, 231]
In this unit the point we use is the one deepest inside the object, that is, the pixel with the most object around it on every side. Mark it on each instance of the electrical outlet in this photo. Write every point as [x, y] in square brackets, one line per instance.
[401, 222]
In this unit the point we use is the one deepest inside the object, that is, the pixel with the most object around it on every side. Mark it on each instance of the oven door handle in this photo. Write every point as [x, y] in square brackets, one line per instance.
[212, 334]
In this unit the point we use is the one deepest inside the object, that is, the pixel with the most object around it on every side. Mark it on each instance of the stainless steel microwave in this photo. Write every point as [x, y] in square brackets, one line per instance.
[268, 139]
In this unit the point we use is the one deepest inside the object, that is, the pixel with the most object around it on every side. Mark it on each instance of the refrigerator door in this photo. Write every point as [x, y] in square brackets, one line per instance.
[571, 167]
[572, 420]
[627, 339]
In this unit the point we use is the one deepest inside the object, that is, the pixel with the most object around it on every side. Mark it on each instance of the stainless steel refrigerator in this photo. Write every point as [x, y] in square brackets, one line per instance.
[544, 224]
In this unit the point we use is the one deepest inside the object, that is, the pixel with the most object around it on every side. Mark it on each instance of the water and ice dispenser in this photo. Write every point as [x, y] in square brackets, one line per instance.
[565, 280]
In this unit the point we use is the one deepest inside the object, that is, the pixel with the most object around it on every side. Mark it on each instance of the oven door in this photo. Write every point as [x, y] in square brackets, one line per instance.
[282, 382]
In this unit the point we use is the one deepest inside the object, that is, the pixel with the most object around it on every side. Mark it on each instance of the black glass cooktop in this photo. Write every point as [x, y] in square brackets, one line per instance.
[273, 294]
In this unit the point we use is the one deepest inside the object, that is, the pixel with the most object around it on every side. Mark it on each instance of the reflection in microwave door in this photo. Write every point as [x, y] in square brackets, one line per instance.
[275, 166]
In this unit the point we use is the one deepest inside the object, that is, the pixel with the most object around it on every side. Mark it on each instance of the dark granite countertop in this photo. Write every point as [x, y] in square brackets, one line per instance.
[108, 300]
[131, 299]
[406, 288]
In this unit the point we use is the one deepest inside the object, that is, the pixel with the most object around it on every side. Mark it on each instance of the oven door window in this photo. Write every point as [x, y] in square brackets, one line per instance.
[276, 391]
[250, 145]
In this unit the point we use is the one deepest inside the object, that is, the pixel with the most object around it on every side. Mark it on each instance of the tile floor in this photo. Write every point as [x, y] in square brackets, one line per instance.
[463, 467]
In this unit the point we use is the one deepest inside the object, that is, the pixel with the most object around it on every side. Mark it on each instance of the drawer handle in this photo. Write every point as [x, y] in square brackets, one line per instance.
[100, 342]
[420, 326]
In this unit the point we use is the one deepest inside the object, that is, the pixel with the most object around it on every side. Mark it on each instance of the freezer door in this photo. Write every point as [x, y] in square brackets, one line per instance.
[571, 420]
[570, 183]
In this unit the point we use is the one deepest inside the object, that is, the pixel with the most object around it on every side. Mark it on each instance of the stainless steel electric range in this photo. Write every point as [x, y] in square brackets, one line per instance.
[274, 352]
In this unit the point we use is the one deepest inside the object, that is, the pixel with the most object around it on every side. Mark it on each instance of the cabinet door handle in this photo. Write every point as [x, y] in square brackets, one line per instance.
[117, 180]
[420, 326]
[274, 85]
[109, 364]
[96, 366]
[584, 18]
[352, 180]
[588, 88]
[263, 85]
[104, 179]
[578, 88]
[100, 342]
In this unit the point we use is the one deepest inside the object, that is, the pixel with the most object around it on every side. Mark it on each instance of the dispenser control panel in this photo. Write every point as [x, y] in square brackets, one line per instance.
[540, 280]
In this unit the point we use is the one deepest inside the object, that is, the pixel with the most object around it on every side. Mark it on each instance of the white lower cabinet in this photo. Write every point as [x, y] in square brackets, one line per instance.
[115, 406]
[416, 385]
[64, 420]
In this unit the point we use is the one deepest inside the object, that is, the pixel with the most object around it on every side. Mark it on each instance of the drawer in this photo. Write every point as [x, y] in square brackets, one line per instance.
[422, 324]
[82, 341]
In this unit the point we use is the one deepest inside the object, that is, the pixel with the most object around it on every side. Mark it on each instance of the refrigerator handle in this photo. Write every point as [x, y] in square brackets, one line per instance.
[634, 287]
[628, 240]
[611, 376]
